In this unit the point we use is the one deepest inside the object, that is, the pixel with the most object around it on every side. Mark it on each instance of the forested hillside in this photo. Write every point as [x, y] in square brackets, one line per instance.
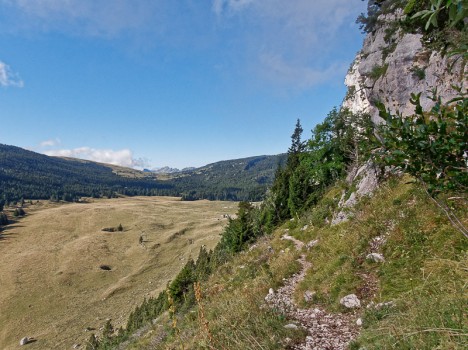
[229, 180]
[26, 174]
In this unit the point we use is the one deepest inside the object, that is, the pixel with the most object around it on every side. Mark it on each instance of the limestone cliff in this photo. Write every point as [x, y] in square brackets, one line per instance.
[393, 64]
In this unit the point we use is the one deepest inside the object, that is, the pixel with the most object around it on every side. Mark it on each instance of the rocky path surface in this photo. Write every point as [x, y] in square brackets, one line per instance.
[326, 331]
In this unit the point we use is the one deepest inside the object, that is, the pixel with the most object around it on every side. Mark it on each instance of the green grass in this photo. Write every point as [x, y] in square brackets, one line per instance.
[424, 275]
[425, 272]
[234, 309]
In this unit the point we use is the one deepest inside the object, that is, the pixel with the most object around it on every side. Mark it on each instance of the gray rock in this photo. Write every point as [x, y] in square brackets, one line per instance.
[350, 301]
[359, 322]
[375, 257]
[291, 326]
[312, 243]
[339, 218]
[399, 81]
[25, 340]
[305, 228]
[76, 346]
[270, 296]
[309, 296]
[367, 180]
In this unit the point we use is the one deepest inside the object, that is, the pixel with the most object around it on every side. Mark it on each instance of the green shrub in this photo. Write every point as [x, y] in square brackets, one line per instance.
[3, 219]
[429, 146]
[19, 212]
[418, 72]
[378, 71]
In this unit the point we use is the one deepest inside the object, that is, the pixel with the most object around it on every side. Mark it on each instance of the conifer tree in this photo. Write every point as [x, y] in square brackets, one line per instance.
[3, 219]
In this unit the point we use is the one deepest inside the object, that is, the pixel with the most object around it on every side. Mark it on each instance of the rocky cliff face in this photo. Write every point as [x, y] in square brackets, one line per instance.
[392, 65]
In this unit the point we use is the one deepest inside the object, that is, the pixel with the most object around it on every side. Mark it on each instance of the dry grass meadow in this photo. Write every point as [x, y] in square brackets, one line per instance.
[51, 285]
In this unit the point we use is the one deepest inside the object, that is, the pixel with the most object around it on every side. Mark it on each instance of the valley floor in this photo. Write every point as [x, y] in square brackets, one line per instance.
[52, 286]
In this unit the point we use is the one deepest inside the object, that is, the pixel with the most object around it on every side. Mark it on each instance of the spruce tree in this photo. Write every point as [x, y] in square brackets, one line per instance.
[297, 146]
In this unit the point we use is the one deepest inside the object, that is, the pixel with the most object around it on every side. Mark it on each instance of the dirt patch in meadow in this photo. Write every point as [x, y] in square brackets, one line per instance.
[53, 286]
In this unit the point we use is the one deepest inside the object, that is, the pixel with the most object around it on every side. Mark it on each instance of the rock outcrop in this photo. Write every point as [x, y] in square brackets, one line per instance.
[393, 64]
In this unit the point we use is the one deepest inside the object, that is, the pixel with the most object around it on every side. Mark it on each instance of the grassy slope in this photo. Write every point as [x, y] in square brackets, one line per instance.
[51, 285]
[425, 275]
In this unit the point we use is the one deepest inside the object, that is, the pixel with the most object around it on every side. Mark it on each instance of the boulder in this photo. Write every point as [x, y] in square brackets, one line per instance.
[350, 301]
[375, 257]
[291, 326]
[312, 243]
[308, 296]
[270, 296]
[25, 340]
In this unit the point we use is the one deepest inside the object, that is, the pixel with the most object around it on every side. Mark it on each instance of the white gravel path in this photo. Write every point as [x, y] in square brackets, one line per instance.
[325, 330]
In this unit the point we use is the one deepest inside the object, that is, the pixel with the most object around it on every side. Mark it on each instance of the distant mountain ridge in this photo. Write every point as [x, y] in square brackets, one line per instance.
[26, 174]
[168, 170]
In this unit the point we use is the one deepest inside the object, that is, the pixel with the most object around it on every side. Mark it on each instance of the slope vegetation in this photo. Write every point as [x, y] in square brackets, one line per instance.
[414, 299]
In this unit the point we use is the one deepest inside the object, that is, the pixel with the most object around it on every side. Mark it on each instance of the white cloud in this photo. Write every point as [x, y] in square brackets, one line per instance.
[50, 143]
[122, 157]
[92, 17]
[308, 34]
[277, 70]
[220, 6]
[8, 77]
[296, 43]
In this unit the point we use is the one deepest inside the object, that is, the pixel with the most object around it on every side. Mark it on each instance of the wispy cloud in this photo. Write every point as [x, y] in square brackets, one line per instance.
[123, 157]
[50, 143]
[306, 34]
[295, 42]
[220, 6]
[8, 77]
[279, 71]
[94, 17]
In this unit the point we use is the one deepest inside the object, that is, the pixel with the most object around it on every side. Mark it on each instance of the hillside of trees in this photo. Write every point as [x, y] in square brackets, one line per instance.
[26, 174]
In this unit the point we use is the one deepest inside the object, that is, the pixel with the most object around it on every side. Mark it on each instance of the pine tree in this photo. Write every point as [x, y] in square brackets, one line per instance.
[203, 267]
[297, 146]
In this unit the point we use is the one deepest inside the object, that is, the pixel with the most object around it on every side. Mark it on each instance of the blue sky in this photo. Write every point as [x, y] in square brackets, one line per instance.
[150, 83]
